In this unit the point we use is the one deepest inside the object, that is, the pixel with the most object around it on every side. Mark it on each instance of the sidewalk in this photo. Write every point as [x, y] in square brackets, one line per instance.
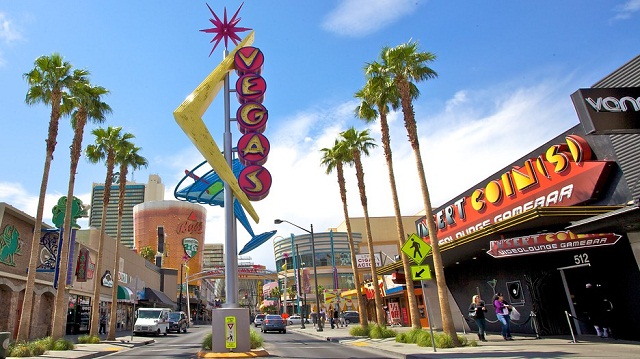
[123, 341]
[496, 347]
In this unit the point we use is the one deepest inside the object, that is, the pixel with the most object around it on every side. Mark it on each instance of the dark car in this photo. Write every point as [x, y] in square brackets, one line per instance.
[274, 322]
[351, 316]
[178, 322]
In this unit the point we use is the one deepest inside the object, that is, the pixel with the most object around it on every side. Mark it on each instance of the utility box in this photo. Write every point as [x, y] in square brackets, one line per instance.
[5, 337]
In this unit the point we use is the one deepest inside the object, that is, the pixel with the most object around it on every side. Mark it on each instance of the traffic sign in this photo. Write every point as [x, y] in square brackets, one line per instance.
[230, 332]
[416, 248]
[421, 272]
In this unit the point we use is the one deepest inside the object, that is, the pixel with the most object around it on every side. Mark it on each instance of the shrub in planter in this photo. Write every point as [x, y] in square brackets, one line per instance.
[88, 339]
[359, 331]
[254, 337]
[423, 339]
[63, 344]
[20, 350]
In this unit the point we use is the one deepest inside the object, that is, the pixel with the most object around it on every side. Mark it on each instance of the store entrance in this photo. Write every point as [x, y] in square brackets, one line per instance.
[585, 290]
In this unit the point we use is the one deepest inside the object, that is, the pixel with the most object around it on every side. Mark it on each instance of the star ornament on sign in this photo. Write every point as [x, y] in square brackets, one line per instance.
[225, 29]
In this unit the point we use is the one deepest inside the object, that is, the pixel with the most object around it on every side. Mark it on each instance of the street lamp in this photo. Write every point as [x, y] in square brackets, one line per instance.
[313, 262]
[300, 290]
[180, 301]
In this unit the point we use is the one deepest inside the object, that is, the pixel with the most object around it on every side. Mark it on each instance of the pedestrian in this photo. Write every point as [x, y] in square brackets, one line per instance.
[336, 317]
[599, 310]
[502, 312]
[476, 312]
[103, 324]
[330, 314]
[314, 319]
[343, 323]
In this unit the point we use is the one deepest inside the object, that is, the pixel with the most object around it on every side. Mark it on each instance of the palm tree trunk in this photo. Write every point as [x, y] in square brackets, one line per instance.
[27, 303]
[363, 199]
[58, 326]
[362, 306]
[410, 124]
[95, 305]
[116, 264]
[411, 294]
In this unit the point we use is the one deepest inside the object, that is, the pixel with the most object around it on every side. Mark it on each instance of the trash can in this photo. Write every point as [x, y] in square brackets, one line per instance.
[4, 344]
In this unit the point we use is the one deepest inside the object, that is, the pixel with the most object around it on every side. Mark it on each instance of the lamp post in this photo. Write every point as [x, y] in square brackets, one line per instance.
[313, 262]
[300, 291]
[304, 303]
[180, 300]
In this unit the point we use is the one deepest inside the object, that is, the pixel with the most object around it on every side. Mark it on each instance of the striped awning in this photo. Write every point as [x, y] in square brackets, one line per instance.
[125, 294]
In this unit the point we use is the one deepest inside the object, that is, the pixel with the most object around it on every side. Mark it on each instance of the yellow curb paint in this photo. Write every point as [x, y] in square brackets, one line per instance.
[251, 354]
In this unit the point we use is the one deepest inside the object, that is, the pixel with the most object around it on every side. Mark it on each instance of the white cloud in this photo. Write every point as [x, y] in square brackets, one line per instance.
[627, 9]
[8, 31]
[358, 18]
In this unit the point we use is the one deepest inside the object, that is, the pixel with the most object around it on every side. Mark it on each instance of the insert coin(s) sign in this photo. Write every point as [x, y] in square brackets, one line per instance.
[416, 248]
[230, 332]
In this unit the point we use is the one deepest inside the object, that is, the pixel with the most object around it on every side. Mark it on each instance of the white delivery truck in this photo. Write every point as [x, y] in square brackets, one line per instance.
[152, 321]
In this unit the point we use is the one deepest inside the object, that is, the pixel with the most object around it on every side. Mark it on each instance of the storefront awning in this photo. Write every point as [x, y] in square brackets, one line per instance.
[158, 298]
[535, 219]
[625, 219]
[125, 294]
[349, 293]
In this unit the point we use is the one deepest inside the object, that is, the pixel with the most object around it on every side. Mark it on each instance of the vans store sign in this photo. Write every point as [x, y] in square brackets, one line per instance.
[605, 111]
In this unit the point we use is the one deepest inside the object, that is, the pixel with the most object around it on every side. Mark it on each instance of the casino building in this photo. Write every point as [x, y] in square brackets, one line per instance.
[561, 217]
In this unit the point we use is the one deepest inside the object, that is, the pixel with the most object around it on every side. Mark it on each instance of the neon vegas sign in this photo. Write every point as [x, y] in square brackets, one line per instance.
[565, 175]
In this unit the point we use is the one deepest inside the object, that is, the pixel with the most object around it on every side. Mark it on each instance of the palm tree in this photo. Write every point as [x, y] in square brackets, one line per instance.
[406, 65]
[335, 157]
[87, 100]
[105, 148]
[358, 143]
[376, 96]
[48, 81]
[127, 156]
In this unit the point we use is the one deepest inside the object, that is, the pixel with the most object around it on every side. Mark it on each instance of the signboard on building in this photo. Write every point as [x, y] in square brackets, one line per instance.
[364, 260]
[549, 242]
[563, 175]
[604, 111]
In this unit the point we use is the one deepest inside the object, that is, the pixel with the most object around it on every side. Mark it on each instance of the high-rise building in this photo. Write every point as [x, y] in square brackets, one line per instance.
[213, 255]
[135, 193]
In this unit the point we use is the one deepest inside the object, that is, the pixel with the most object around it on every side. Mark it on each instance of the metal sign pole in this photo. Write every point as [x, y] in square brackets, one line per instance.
[426, 303]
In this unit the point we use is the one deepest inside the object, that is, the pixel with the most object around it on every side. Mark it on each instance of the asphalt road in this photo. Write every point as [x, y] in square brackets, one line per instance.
[294, 345]
[290, 345]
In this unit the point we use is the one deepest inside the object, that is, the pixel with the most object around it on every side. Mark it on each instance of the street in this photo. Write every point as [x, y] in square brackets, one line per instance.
[295, 345]
[289, 345]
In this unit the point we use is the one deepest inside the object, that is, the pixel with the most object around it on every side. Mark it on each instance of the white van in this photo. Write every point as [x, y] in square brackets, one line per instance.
[152, 321]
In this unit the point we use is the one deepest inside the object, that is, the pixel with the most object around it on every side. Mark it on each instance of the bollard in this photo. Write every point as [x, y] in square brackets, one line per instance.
[4, 344]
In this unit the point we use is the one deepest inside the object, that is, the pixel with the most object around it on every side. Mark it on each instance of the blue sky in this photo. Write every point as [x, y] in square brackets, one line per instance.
[506, 71]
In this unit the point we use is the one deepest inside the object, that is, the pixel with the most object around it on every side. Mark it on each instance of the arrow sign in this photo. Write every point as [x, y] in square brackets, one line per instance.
[416, 248]
[421, 272]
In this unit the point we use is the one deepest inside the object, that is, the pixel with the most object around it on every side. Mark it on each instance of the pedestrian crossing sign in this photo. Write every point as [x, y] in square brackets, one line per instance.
[416, 248]
[230, 332]
[421, 272]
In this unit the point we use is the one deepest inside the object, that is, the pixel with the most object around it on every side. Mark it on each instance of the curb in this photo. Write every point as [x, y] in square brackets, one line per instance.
[252, 354]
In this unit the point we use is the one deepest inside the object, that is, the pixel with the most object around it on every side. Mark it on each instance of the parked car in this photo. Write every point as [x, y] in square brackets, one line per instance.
[178, 322]
[273, 322]
[351, 316]
[294, 319]
[258, 320]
